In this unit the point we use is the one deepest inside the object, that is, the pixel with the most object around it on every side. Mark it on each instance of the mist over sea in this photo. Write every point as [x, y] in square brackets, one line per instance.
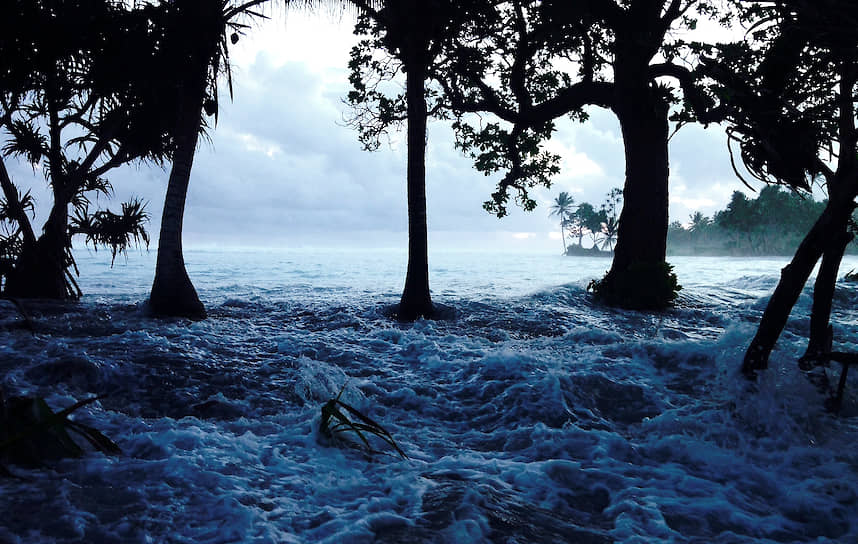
[532, 416]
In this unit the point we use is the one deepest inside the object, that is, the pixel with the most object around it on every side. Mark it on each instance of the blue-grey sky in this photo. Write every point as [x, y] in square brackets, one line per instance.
[282, 170]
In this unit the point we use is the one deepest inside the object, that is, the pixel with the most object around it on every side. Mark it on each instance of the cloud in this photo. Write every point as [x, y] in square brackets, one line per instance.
[282, 169]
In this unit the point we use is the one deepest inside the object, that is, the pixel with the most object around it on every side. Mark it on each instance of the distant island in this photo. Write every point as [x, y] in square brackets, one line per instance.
[575, 250]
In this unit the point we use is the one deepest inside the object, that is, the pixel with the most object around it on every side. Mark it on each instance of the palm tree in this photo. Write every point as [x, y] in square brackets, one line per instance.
[69, 105]
[609, 233]
[196, 41]
[610, 222]
[195, 47]
[410, 31]
[561, 208]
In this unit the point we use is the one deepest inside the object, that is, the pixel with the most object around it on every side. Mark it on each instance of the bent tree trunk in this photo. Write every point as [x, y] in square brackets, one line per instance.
[793, 278]
[823, 294]
[173, 294]
[416, 301]
[635, 279]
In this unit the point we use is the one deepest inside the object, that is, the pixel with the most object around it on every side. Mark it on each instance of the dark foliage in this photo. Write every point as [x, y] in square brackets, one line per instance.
[774, 223]
[76, 102]
[31, 433]
[625, 290]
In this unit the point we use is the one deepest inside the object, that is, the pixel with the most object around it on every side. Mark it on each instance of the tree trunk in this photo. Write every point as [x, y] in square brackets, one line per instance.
[793, 278]
[635, 279]
[644, 218]
[416, 301]
[823, 294]
[173, 294]
[40, 271]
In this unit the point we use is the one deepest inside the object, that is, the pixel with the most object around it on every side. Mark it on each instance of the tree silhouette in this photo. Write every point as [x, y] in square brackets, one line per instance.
[591, 220]
[548, 59]
[410, 34]
[792, 112]
[195, 49]
[562, 208]
[610, 225]
[69, 109]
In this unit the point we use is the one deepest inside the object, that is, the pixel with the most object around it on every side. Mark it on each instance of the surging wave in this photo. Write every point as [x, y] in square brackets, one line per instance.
[533, 418]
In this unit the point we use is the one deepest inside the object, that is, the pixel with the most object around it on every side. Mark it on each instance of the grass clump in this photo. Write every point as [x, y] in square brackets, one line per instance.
[339, 418]
[641, 286]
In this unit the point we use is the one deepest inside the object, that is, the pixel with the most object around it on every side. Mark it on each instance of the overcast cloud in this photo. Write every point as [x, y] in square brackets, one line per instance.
[282, 170]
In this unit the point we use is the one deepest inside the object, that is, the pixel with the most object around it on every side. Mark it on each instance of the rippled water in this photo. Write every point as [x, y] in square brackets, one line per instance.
[532, 416]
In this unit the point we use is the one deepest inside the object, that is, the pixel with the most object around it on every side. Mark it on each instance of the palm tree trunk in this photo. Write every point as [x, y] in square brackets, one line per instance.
[173, 294]
[416, 300]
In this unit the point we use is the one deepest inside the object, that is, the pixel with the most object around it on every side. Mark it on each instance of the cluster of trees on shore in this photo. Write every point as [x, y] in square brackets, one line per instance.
[86, 86]
[774, 223]
[581, 220]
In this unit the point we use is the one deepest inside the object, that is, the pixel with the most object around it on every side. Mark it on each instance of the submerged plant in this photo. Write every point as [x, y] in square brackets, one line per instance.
[31, 433]
[624, 290]
[334, 422]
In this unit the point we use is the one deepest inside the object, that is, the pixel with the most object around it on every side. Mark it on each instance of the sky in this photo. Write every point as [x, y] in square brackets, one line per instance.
[281, 169]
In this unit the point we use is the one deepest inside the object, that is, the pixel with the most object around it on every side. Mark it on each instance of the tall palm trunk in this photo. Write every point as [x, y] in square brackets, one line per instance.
[173, 294]
[416, 301]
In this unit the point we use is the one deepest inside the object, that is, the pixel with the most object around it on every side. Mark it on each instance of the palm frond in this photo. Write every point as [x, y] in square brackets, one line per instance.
[335, 421]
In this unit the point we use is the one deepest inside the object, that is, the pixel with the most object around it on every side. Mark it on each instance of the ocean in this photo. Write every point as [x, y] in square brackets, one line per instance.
[532, 416]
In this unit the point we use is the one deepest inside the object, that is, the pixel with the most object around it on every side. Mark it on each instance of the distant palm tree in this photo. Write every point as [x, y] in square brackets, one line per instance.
[195, 52]
[562, 208]
[609, 233]
[699, 222]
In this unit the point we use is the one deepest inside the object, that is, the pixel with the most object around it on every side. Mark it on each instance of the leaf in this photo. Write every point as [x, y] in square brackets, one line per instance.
[96, 438]
[363, 424]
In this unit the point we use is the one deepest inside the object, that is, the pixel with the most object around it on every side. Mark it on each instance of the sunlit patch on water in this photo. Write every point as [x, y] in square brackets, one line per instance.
[534, 417]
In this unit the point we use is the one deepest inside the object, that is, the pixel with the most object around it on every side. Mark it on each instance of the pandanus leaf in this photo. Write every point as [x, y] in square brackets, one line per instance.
[359, 425]
[42, 421]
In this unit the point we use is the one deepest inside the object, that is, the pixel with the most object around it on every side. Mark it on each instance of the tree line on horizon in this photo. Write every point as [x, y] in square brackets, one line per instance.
[87, 86]
[773, 223]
